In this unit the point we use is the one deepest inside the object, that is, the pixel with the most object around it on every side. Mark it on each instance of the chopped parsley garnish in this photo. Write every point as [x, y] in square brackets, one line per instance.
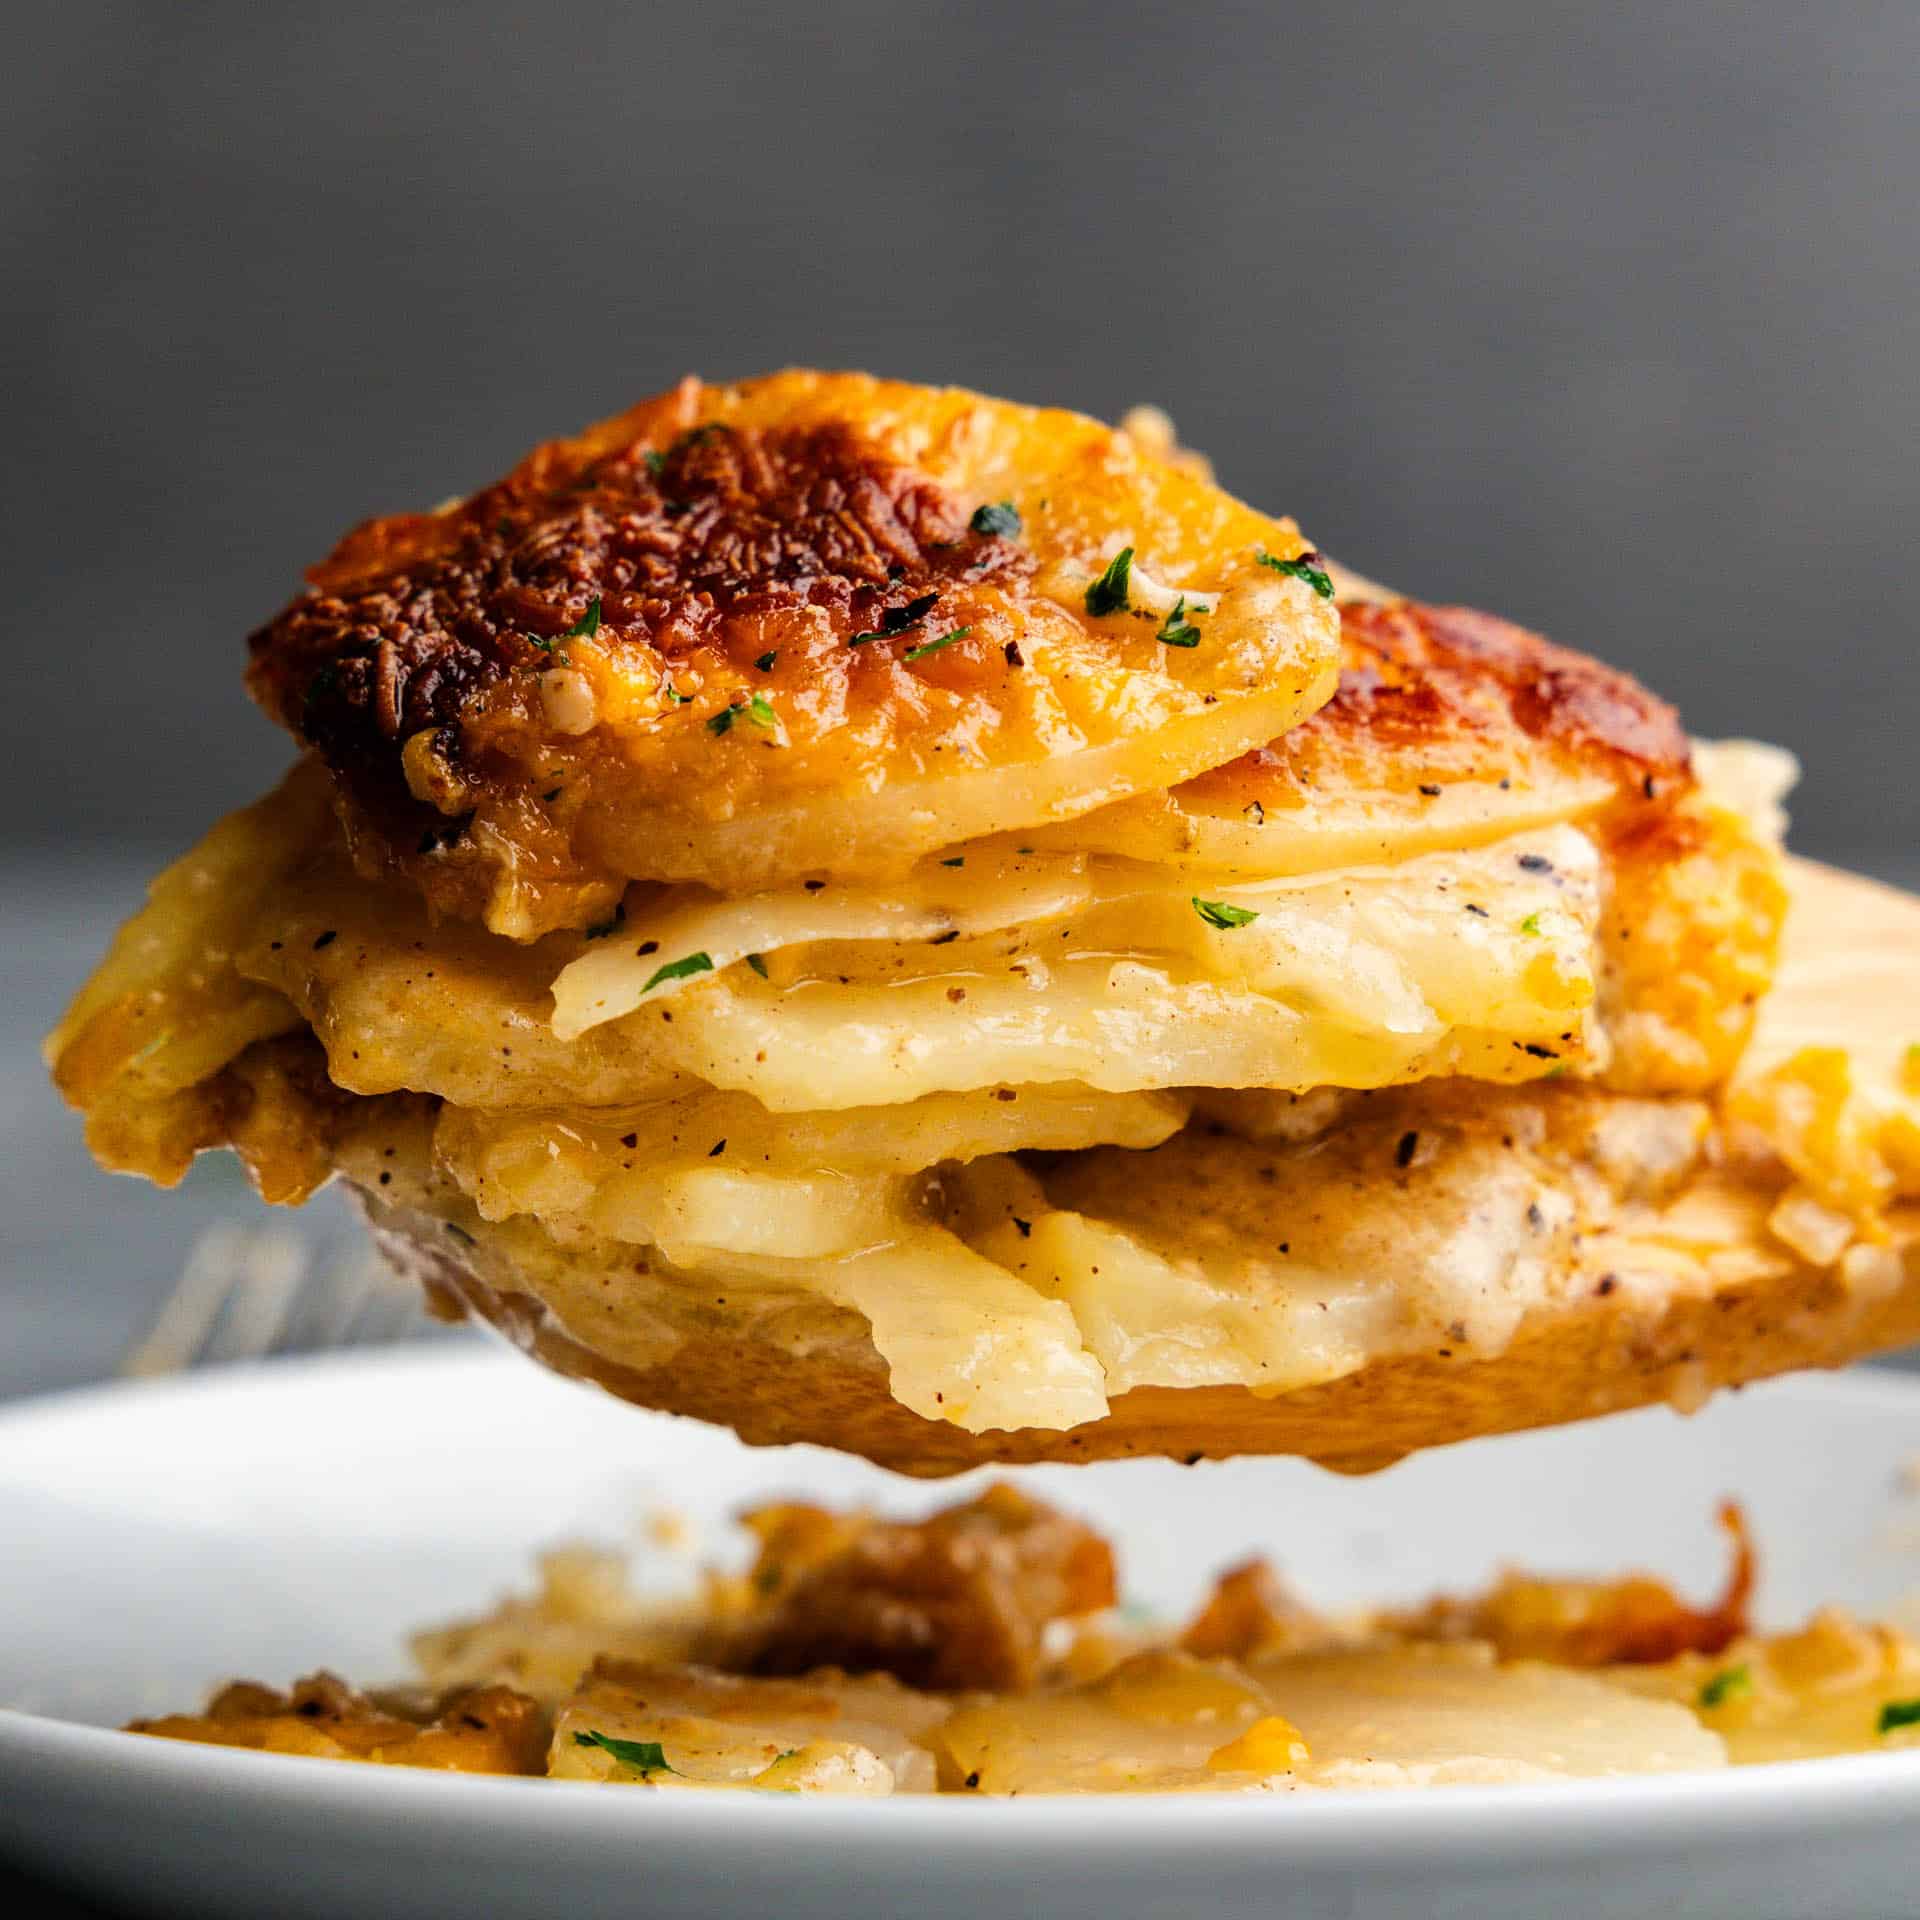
[1108, 594]
[1025, 1226]
[933, 646]
[758, 963]
[672, 694]
[1307, 568]
[1531, 924]
[897, 620]
[958, 860]
[582, 629]
[1222, 914]
[759, 710]
[1896, 1714]
[1730, 1683]
[152, 1047]
[698, 436]
[1176, 630]
[655, 460]
[680, 969]
[766, 660]
[601, 929]
[643, 1756]
[1001, 517]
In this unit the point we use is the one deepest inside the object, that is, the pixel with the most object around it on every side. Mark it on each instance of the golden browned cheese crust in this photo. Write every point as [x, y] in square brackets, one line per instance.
[1430, 694]
[809, 622]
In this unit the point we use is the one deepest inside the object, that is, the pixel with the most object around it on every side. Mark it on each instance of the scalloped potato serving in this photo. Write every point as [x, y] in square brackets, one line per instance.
[881, 916]
[979, 1651]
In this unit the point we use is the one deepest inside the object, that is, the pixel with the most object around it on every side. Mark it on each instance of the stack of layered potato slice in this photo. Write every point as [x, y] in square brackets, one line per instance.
[884, 917]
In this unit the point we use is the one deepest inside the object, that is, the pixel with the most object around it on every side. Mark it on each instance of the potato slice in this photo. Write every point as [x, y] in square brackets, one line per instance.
[663, 1726]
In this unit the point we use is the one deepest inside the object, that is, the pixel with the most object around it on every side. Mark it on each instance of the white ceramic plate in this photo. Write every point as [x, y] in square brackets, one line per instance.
[266, 1521]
